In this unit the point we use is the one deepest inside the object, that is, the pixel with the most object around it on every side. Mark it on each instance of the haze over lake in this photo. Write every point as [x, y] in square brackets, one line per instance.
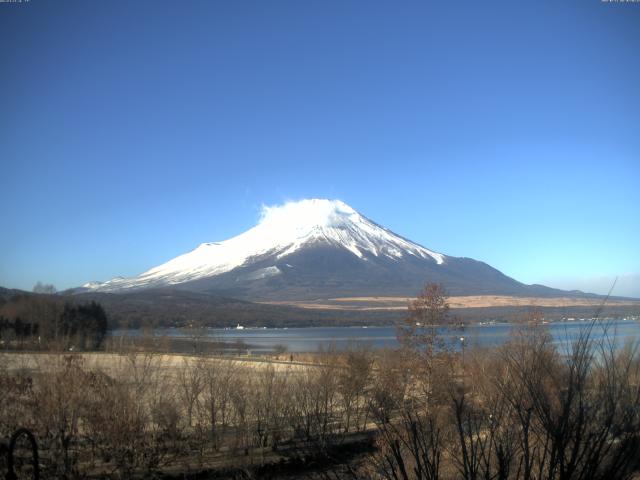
[311, 339]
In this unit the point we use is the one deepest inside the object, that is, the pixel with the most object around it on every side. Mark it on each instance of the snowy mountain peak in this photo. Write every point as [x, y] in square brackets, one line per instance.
[281, 231]
[307, 214]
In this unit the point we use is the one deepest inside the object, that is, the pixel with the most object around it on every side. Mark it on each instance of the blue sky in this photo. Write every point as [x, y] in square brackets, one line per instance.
[509, 132]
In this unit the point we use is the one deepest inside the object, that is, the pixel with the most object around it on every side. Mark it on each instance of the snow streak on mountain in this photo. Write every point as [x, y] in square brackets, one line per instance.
[282, 231]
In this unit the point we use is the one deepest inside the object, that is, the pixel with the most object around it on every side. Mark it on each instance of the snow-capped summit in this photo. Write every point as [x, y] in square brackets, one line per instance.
[295, 224]
[316, 249]
[281, 231]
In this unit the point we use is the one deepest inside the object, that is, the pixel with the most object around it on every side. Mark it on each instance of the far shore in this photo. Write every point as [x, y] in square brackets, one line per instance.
[468, 301]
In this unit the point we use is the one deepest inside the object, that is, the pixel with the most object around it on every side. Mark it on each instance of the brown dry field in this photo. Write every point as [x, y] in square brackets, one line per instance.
[471, 301]
[116, 362]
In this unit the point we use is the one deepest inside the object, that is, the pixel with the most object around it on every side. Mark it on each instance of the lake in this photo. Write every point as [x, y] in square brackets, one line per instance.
[311, 339]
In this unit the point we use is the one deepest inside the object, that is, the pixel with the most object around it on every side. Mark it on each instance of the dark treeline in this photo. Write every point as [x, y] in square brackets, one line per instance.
[175, 308]
[49, 322]
[158, 308]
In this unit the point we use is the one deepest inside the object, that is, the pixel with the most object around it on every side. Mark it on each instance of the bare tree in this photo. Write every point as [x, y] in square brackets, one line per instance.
[419, 335]
[428, 311]
[191, 383]
[218, 381]
[45, 288]
[353, 382]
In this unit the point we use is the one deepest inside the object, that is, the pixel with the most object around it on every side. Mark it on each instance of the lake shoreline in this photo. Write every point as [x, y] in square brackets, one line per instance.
[311, 339]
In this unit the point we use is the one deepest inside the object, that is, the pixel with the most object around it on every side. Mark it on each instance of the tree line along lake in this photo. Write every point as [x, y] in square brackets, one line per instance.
[312, 339]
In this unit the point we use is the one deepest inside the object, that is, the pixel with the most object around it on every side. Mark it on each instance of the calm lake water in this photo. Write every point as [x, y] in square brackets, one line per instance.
[311, 339]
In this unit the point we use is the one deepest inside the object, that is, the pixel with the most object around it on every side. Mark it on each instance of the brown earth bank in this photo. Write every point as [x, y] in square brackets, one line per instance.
[469, 301]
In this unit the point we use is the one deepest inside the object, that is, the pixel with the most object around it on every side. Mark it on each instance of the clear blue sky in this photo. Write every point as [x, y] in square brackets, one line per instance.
[131, 131]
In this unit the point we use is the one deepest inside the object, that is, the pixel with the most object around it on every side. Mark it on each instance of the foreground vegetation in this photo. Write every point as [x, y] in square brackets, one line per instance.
[527, 410]
[530, 409]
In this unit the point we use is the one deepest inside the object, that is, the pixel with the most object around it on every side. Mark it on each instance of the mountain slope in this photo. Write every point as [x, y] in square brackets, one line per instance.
[319, 249]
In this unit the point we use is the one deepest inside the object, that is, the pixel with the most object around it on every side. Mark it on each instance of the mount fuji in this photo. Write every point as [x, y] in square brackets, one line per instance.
[314, 249]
